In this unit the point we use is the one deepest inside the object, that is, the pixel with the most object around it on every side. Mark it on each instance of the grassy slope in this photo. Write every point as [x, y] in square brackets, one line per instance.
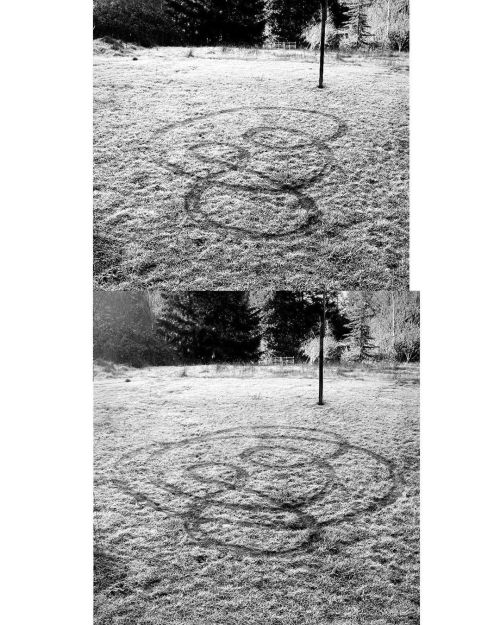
[362, 570]
[143, 237]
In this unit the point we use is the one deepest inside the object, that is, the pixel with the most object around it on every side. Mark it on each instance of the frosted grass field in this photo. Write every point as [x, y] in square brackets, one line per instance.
[226, 498]
[222, 168]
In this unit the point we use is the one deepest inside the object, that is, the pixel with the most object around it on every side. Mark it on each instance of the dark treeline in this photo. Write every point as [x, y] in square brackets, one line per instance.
[352, 23]
[180, 22]
[201, 327]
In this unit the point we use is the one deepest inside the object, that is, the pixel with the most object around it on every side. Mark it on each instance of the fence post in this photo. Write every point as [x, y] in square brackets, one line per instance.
[321, 350]
[324, 14]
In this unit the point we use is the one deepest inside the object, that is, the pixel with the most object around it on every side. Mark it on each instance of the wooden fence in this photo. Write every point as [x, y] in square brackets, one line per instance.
[279, 360]
[282, 45]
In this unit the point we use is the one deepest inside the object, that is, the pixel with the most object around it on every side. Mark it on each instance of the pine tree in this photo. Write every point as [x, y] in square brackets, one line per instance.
[289, 318]
[360, 340]
[286, 20]
[210, 326]
[357, 24]
[180, 22]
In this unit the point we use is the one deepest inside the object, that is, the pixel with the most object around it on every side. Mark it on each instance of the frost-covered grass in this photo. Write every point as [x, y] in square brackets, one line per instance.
[237, 500]
[227, 168]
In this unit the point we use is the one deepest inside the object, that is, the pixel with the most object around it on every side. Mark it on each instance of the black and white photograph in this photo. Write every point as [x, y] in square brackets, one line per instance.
[256, 346]
[256, 457]
[251, 144]
[250, 349]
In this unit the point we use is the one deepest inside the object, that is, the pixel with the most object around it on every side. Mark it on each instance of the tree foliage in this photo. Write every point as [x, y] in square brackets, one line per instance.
[390, 23]
[357, 23]
[401, 340]
[248, 22]
[125, 330]
[180, 22]
[360, 311]
[311, 34]
[287, 318]
[153, 328]
[331, 347]
[393, 322]
[290, 318]
[210, 326]
[293, 20]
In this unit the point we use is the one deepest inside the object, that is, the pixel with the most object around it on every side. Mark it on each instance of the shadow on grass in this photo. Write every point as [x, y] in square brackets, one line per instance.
[108, 573]
[107, 253]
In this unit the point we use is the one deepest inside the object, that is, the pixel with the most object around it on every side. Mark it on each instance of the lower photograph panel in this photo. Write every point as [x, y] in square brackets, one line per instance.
[256, 457]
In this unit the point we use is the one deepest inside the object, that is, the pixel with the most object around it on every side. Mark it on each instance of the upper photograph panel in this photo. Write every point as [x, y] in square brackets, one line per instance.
[251, 144]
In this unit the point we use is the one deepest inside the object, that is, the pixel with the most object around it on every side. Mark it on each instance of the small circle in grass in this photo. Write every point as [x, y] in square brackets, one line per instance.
[254, 212]
[217, 473]
[279, 456]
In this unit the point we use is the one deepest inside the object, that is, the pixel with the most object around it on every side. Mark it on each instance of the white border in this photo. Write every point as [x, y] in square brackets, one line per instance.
[46, 308]
[454, 166]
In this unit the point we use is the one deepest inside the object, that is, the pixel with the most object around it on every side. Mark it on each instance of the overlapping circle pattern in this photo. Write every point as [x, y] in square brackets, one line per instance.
[242, 185]
[263, 490]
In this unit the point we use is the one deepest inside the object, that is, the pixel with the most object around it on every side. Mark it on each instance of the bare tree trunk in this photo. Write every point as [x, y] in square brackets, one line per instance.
[324, 15]
[321, 349]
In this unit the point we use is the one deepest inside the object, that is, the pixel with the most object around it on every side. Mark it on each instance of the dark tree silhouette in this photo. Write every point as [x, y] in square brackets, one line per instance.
[180, 22]
[287, 19]
[210, 326]
[290, 317]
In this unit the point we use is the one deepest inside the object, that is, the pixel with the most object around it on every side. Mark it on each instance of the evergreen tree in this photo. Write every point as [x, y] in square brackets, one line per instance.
[286, 20]
[233, 22]
[336, 321]
[210, 326]
[360, 311]
[287, 319]
[180, 22]
[359, 31]
[291, 317]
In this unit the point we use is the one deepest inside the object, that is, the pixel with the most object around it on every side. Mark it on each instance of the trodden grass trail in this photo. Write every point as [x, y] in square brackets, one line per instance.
[238, 501]
[223, 171]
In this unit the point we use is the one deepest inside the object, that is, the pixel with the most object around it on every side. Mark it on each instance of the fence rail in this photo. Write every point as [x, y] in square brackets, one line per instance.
[279, 360]
[282, 45]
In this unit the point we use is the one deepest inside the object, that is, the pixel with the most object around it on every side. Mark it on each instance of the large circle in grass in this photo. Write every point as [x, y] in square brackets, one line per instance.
[265, 490]
[234, 123]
